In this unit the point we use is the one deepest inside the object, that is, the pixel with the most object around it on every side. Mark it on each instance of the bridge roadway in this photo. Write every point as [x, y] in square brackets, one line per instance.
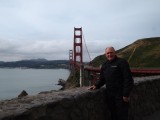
[135, 71]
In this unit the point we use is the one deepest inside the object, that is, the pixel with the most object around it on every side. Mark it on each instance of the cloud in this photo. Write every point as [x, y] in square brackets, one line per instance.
[49, 49]
[44, 29]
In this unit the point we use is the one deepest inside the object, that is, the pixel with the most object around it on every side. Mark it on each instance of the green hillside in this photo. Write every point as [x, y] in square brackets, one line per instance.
[143, 53]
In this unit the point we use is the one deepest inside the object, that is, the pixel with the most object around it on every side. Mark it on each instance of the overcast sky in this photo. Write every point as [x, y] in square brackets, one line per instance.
[31, 29]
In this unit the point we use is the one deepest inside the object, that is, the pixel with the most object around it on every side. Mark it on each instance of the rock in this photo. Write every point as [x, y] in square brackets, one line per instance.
[23, 93]
[61, 82]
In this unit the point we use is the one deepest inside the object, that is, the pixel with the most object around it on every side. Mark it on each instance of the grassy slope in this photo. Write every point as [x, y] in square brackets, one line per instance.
[144, 53]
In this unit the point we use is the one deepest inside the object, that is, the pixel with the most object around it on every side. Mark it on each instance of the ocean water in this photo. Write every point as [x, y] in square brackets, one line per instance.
[33, 81]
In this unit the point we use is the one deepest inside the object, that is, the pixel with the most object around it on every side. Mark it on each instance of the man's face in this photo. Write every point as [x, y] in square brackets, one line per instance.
[110, 54]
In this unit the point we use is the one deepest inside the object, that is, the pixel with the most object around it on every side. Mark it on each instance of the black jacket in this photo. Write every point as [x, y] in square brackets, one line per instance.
[117, 77]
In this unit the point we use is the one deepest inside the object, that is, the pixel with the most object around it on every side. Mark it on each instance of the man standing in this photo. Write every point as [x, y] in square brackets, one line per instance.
[116, 75]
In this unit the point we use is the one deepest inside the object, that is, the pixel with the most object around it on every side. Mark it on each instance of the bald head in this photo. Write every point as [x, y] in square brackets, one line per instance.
[110, 53]
[110, 48]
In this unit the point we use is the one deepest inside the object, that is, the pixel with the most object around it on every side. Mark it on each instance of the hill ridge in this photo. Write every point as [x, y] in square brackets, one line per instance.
[143, 53]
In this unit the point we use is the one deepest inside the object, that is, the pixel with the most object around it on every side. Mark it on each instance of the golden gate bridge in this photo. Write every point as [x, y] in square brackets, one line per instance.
[76, 59]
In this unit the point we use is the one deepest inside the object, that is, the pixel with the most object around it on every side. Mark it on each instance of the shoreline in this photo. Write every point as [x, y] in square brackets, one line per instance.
[136, 81]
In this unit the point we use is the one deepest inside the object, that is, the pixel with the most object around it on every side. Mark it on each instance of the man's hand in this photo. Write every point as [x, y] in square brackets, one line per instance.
[92, 87]
[126, 99]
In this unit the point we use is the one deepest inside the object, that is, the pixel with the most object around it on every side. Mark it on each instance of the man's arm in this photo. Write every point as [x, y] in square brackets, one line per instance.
[127, 79]
[100, 82]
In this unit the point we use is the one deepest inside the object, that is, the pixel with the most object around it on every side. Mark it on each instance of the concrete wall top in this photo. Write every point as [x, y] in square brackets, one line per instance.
[19, 105]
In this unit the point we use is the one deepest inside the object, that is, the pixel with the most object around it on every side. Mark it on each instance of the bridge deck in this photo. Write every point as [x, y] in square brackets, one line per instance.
[133, 70]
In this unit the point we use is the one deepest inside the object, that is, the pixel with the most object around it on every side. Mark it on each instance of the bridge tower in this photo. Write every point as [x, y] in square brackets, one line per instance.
[78, 46]
[71, 58]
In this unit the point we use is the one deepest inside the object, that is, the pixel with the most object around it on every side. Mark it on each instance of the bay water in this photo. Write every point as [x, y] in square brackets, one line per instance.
[33, 81]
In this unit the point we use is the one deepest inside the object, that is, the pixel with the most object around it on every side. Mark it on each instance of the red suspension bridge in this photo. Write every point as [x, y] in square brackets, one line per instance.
[76, 59]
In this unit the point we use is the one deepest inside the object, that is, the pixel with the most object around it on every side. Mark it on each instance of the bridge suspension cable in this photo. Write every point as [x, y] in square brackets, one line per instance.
[86, 47]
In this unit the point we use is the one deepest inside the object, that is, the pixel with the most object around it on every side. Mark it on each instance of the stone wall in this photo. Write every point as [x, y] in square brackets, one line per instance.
[145, 99]
[80, 104]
